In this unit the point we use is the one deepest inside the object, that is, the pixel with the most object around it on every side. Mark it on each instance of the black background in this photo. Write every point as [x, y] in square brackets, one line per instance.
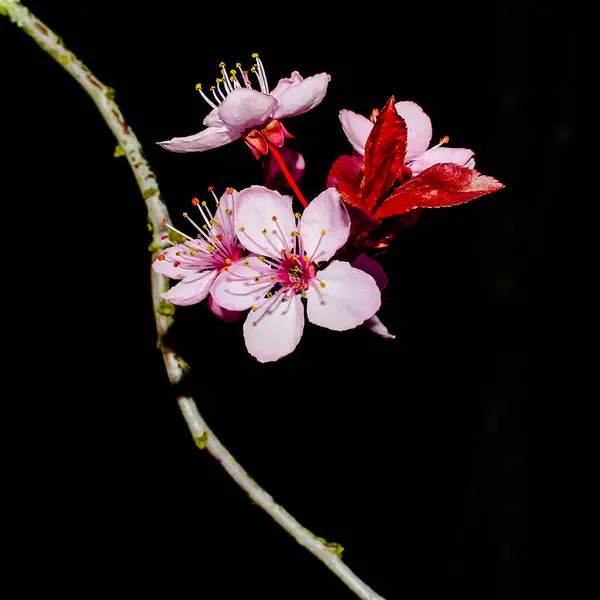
[411, 453]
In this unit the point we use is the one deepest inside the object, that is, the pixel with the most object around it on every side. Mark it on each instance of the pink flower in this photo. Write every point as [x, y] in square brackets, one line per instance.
[198, 261]
[238, 111]
[290, 250]
[357, 129]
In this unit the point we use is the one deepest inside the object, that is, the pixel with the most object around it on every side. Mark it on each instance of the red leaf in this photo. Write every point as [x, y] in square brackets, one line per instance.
[346, 176]
[444, 184]
[385, 151]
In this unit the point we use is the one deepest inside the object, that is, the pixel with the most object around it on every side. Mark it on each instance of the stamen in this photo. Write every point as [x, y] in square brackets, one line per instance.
[210, 102]
[212, 89]
[262, 72]
[219, 81]
[323, 232]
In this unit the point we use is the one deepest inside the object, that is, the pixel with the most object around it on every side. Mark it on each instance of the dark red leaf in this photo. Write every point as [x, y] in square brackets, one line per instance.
[444, 184]
[385, 151]
[345, 175]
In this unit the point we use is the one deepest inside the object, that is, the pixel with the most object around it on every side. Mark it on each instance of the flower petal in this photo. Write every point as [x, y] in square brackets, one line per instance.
[463, 157]
[212, 119]
[294, 79]
[167, 266]
[374, 325]
[245, 108]
[419, 128]
[298, 99]
[349, 297]
[373, 268]
[326, 213]
[357, 129]
[236, 289]
[192, 289]
[275, 329]
[257, 206]
[223, 314]
[207, 139]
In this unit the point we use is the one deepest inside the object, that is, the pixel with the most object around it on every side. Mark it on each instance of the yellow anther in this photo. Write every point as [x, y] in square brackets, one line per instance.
[253, 68]
[264, 231]
[219, 80]
[177, 253]
[205, 226]
[232, 71]
[295, 233]
[218, 204]
[211, 248]
[228, 261]
[226, 269]
[238, 65]
[193, 252]
[272, 277]
[306, 259]
[246, 263]
[227, 211]
[203, 202]
[256, 279]
[261, 258]
[303, 294]
[242, 229]
[323, 232]
[288, 256]
[254, 308]
[232, 78]
[269, 294]
[273, 218]
[230, 190]
[255, 55]
[322, 284]
[221, 64]
[283, 252]
[198, 86]
[212, 87]
[185, 215]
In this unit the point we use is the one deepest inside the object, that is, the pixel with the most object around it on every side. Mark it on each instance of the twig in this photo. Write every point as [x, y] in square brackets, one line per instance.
[103, 97]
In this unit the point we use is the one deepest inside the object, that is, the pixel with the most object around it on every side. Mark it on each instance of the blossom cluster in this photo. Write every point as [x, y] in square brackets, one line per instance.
[252, 255]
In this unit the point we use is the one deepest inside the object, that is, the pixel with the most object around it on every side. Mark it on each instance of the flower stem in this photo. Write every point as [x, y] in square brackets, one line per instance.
[103, 97]
[287, 174]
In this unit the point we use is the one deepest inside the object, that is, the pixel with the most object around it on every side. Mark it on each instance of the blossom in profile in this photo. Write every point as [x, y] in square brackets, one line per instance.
[290, 263]
[239, 111]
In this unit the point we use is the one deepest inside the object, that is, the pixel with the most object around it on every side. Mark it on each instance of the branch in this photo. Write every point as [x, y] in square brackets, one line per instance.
[129, 145]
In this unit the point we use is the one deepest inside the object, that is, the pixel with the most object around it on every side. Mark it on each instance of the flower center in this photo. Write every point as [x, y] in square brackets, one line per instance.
[229, 82]
[215, 246]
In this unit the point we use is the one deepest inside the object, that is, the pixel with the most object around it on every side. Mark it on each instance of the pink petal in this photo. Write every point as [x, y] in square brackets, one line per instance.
[245, 108]
[207, 139]
[275, 329]
[373, 268]
[349, 297]
[375, 326]
[419, 128]
[463, 157]
[257, 207]
[294, 79]
[236, 289]
[357, 129]
[212, 119]
[192, 289]
[167, 266]
[301, 98]
[325, 213]
[227, 316]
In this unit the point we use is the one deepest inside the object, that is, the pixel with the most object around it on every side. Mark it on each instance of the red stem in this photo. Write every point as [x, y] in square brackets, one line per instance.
[287, 174]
